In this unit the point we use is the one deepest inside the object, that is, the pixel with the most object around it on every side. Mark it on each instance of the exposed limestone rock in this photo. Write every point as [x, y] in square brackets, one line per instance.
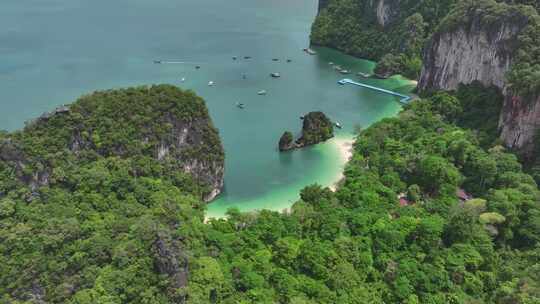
[170, 260]
[184, 137]
[475, 51]
[286, 142]
[520, 122]
[316, 128]
[185, 143]
[322, 4]
[387, 11]
[468, 54]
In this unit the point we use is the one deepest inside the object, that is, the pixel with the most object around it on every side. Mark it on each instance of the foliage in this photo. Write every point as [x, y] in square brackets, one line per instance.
[316, 128]
[127, 230]
[353, 26]
[359, 245]
[84, 201]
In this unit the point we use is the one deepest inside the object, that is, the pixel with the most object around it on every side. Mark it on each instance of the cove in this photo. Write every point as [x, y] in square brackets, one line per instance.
[56, 50]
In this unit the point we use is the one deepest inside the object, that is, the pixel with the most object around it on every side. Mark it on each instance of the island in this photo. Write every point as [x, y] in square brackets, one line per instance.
[316, 128]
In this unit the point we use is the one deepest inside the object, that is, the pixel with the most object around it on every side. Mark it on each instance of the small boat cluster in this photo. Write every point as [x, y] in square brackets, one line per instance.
[240, 105]
[345, 71]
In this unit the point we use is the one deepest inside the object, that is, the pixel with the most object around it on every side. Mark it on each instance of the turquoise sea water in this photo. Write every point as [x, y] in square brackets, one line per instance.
[52, 51]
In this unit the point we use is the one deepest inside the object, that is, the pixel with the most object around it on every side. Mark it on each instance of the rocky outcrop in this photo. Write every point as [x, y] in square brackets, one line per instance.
[322, 5]
[484, 48]
[184, 141]
[470, 53]
[316, 128]
[386, 11]
[520, 122]
[286, 142]
[170, 260]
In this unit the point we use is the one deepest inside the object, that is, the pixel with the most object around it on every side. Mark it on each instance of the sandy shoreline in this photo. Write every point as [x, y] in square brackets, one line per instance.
[345, 148]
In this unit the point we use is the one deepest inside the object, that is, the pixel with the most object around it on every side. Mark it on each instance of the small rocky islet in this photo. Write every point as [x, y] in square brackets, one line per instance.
[316, 128]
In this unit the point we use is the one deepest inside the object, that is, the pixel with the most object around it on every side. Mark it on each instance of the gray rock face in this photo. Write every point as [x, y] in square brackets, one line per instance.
[387, 11]
[185, 138]
[472, 52]
[468, 54]
[323, 4]
[192, 146]
[520, 122]
[170, 260]
[286, 142]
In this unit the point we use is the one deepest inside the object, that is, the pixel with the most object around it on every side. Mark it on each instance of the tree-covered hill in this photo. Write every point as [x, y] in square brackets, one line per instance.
[391, 32]
[92, 196]
[428, 212]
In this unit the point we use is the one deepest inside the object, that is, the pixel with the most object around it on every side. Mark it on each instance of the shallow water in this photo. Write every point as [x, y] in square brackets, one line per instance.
[55, 50]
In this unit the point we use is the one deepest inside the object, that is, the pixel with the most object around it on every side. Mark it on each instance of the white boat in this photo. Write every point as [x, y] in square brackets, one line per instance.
[338, 125]
[261, 92]
[365, 75]
[210, 83]
[310, 51]
[183, 79]
[275, 75]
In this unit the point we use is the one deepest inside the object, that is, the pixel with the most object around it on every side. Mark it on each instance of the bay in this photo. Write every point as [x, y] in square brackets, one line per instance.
[53, 51]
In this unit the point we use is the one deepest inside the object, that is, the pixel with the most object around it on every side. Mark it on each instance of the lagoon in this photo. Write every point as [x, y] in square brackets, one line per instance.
[56, 50]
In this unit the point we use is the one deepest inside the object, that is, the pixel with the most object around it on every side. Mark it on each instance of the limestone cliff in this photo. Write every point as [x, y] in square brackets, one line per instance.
[470, 52]
[160, 122]
[386, 11]
[483, 44]
[316, 128]
[322, 4]
[520, 122]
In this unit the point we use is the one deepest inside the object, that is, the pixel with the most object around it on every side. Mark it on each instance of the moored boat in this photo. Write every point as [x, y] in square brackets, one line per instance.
[310, 51]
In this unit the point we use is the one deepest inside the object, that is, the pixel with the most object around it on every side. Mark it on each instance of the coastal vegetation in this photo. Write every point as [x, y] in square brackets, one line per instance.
[92, 194]
[396, 35]
[103, 201]
[426, 214]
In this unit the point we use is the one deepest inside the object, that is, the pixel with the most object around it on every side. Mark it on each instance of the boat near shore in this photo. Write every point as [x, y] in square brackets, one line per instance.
[365, 75]
[310, 51]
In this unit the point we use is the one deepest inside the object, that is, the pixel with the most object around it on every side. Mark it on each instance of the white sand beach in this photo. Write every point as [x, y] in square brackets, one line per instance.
[345, 148]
